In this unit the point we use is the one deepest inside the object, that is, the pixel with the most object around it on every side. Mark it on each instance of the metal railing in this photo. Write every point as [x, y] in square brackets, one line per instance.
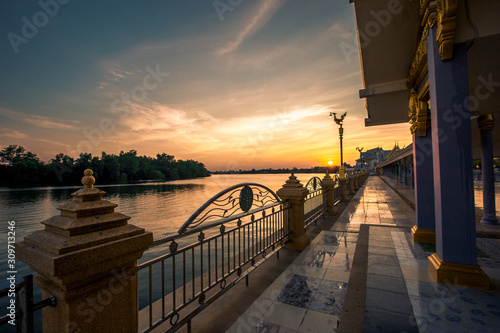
[22, 315]
[315, 203]
[227, 238]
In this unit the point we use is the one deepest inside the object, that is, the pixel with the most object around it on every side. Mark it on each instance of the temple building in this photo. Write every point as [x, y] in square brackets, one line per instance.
[435, 65]
[369, 159]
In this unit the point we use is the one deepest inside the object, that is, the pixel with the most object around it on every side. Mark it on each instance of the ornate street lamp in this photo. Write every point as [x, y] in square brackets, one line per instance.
[341, 135]
[360, 156]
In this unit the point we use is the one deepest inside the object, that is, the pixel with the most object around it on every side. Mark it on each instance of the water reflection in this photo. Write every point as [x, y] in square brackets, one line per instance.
[160, 208]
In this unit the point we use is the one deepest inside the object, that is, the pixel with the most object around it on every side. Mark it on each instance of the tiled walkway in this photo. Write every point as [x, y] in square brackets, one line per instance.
[400, 294]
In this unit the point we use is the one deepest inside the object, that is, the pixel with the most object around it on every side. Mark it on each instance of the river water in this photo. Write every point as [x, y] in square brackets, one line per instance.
[158, 207]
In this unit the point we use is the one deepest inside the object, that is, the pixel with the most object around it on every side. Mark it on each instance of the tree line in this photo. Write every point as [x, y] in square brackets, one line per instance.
[19, 167]
[316, 169]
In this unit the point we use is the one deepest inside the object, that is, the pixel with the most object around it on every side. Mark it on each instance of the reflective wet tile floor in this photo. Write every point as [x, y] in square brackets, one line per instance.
[401, 296]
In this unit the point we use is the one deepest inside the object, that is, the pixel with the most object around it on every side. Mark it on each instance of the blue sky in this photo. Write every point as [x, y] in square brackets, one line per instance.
[233, 84]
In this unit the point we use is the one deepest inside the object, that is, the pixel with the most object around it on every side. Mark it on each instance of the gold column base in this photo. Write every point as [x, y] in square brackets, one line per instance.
[423, 235]
[465, 275]
[298, 243]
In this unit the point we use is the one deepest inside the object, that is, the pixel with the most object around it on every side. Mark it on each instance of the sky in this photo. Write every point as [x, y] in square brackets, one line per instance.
[234, 84]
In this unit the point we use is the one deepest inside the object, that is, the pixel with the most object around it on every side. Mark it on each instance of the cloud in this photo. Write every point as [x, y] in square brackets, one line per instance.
[263, 13]
[9, 133]
[38, 121]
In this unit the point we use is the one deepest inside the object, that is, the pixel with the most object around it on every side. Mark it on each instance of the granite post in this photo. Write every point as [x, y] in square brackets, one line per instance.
[295, 193]
[86, 257]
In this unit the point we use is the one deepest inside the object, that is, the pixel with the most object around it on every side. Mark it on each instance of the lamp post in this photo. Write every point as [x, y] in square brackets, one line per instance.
[360, 156]
[341, 135]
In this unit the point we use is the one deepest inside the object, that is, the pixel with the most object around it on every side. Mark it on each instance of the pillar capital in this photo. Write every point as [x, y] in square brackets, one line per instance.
[343, 183]
[329, 184]
[295, 193]
[78, 256]
[293, 190]
[328, 181]
[485, 122]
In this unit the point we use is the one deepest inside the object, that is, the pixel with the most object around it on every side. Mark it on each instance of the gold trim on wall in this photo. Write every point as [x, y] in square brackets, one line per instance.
[418, 112]
[442, 13]
[446, 25]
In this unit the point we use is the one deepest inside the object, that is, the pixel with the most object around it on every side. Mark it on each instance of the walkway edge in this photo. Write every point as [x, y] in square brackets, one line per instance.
[352, 318]
[405, 199]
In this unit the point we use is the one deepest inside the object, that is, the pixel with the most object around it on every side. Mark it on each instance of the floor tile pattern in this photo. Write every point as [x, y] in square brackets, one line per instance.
[401, 294]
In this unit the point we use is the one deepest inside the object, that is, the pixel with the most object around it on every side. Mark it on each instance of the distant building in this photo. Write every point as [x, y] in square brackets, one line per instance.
[373, 157]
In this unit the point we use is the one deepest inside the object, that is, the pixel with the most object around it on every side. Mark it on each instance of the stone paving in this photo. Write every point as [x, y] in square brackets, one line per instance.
[401, 295]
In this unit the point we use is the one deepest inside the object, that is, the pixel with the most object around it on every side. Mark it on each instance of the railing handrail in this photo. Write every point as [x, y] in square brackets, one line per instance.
[176, 235]
[212, 200]
[225, 250]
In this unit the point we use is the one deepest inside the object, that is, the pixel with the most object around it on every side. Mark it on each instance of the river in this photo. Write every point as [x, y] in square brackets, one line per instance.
[158, 207]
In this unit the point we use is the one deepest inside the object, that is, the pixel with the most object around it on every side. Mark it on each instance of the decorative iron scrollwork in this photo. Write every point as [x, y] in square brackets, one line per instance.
[222, 228]
[252, 262]
[173, 247]
[314, 184]
[201, 237]
[237, 199]
[246, 198]
[174, 321]
[201, 298]
[222, 284]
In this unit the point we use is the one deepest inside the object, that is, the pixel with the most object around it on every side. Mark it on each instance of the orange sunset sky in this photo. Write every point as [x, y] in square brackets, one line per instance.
[235, 85]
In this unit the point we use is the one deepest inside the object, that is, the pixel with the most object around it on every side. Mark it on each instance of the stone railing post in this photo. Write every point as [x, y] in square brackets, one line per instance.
[351, 184]
[343, 183]
[295, 193]
[363, 176]
[329, 185]
[86, 257]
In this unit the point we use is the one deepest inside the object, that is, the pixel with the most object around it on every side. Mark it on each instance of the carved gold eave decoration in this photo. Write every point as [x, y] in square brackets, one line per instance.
[418, 68]
[485, 122]
[442, 13]
[419, 115]
[446, 25]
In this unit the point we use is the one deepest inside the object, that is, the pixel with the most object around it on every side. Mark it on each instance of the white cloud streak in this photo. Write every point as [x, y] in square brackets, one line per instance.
[38, 121]
[262, 15]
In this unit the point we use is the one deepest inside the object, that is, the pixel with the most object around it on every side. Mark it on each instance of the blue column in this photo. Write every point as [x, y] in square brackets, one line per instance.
[485, 124]
[412, 168]
[406, 171]
[452, 150]
[424, 181]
